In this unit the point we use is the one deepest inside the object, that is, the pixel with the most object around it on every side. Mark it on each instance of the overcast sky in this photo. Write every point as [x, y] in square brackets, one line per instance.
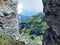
[31, 5]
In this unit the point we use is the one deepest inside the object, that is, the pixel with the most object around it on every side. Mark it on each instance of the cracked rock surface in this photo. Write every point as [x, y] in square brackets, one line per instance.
[8, 17]
[52, 17]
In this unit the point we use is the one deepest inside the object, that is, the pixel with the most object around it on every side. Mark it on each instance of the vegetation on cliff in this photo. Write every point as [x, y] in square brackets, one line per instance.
[34, 28]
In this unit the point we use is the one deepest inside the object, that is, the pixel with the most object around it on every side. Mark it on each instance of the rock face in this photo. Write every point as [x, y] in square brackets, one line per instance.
[9, 20]
[8, 17]
[52, 17]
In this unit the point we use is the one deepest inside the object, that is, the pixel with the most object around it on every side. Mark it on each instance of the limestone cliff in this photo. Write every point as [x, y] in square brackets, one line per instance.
[52, 17]
[8, 17]
[9, 20]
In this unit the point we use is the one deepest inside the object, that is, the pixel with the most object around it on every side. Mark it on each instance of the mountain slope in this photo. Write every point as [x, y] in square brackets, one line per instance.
[34, 28]
[22, 18]
[34, 25]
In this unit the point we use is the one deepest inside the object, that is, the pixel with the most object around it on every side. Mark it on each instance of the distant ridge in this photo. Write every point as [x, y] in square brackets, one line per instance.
[22, 18]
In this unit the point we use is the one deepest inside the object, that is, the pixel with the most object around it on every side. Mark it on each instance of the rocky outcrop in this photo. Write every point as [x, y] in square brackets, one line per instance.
[52, 17]
[9, 20]
[8, 17]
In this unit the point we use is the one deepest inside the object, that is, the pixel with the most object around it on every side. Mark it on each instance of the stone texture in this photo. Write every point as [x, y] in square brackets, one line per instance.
[9, 20]
[52, 17]
[8, 17]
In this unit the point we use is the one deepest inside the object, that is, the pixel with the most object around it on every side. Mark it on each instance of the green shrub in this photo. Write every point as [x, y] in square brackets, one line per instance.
[6, 40]
[20, 43]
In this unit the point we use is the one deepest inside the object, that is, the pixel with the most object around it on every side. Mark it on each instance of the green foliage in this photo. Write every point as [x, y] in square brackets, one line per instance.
[6, 40]
[38, 40]
[36, 24]
[43, 26]
[21, 43]
[36, 18]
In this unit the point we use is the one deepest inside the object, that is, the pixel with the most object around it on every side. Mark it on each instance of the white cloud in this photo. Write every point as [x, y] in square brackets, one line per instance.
[19, 8]
[32, 5]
